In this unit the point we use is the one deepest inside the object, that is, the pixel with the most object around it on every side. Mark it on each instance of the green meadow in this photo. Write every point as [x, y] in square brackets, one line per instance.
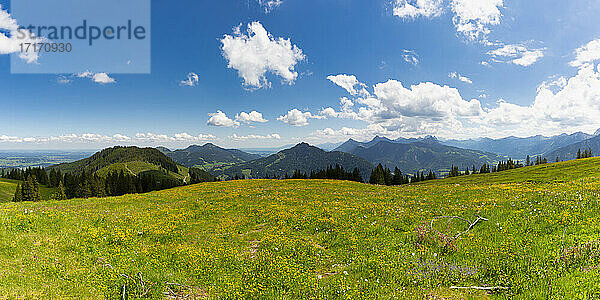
[297, 239]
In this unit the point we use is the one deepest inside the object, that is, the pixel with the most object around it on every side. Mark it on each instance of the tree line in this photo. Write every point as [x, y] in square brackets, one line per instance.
[585, 154]
[88, 185]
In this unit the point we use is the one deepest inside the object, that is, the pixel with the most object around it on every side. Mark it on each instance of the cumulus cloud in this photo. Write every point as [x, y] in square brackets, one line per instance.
[561, 105]
[101, 78]
[410, 57]
[424, 108]
[191, 80]
[416, 8]
[517, 54]
[586, 54]
[257, 52]
[295, 117]
[11, 42]
[349, 83]
[460, 77]
[473, 18]
[273, 136]
[220, 119]
[250, 117]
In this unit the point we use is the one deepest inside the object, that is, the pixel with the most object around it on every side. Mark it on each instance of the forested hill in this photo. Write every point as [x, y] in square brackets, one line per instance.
[302, 157]
[116, 155]
[208, 154]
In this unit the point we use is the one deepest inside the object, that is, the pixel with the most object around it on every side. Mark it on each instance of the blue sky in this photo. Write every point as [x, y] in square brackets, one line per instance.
[528, 67]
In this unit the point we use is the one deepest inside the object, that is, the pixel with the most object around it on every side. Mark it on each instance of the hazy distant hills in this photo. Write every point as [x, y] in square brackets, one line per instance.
[415, 155]
[519, 148]
[351, 144]
[208, 154]
[570, 152]
[301, 157]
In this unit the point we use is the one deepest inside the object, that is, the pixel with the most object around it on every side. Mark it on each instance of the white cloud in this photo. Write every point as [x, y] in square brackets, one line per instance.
[258, 52]
[425, 108]
[410, 57]
[220, 119]
[517, 54]
[587, 54]
[460, 77]
[472, 18]
[295, 117]
[101, 78]
[345, 133]
[561, 105]
[269, 5]
[253, 116]
[191, 80]
[11, 43]
[349, 83]
[273, 136]
[416, 8]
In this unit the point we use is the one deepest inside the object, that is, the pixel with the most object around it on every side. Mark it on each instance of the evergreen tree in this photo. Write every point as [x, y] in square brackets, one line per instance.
[60, 193]
[18, 197]
[377, 176]
[454, 171]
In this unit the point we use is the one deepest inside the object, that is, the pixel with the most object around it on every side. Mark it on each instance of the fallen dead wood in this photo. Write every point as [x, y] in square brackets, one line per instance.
[471, 224]
[484, 288]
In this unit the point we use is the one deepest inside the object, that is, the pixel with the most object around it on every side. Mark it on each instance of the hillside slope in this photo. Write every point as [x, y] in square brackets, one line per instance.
[209, 155]
[311, 239]
[9, 186]
[547, 174]
[302, 157]
[127, 159]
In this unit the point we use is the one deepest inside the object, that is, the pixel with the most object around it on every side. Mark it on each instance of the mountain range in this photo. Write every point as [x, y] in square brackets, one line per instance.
[519, 148]
[414, 155]
[302, 157]
[570, 151]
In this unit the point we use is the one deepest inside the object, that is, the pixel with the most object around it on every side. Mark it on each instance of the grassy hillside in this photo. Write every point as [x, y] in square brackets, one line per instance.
[115, 155]
[9, 186]
[548, 173]
[315, 239]
[137, 167]
[208, 155]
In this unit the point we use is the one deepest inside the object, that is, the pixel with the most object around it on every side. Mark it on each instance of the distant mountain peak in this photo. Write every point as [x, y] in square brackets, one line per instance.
[597, 133]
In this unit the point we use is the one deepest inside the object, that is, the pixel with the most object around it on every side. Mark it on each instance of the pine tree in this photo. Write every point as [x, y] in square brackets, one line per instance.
[18, 197]
[36, 195]
[60, 193]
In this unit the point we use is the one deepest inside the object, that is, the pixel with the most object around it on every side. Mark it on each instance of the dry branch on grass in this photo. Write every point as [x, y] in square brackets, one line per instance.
[471, 224]
[483, 288]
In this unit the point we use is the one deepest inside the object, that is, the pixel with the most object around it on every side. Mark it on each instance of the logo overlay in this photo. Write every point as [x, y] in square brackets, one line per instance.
[74, 36]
